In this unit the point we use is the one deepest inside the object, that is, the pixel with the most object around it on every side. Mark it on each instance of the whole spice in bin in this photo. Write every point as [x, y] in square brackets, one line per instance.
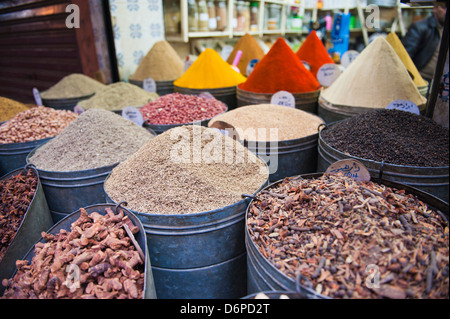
[280, 70]
[97, 248]
[393, 136]
[9, 108]
[117, 96]
[35, 124]
[289, 123]
[178, 108]
[334, 231]
[72, 86]
[96, 138]
[16, 193]
[187, 169]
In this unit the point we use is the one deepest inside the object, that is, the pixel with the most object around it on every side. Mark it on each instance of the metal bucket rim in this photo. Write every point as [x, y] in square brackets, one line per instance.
[166, 82]
[24, 144]
[207, 90]
[204, 213]
[68, 173]
[67, 99]
[419, 193]
[312, 93]
[385, 164]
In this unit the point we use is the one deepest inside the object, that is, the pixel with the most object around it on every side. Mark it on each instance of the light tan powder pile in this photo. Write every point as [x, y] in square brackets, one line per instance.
[187, 169]
[161, 63]
[290, 123]
[375, 79]
[117, 96]
[73, 85]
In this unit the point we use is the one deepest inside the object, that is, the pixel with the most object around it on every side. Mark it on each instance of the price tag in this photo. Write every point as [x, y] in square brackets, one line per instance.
[328, 73]
[226, 51]
[307, 65]
[251, 66]
[131, 113]
[403, 105]
[206, 95]
[149, 85]
[283, 98]
[78, 109]
[37, 97]
[348, 57]
[350, 168]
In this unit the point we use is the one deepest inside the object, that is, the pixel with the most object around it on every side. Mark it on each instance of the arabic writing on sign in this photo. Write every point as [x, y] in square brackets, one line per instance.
[403, 105]
[347, 170]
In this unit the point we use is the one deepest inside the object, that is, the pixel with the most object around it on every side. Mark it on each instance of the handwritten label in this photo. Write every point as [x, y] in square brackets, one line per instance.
[403, 105]
[226, 51]
[37, 97]
[348, 57]
[206, 95]
[283, 98]
[251, 65]
[350, 168]
[328, 73]
[78, 109]
[131, 113]
[307, 65]
[149, 85]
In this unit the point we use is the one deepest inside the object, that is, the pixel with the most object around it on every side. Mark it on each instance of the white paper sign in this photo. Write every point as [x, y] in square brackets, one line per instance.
[307, 65]
[251, 65]
[149, 85]
[133, 114]
[348, 57]
[403, 105]
[206, 95]
[78, 109]
[37, 97]
[283, 98]
[328, 73]
[226, 51]
[350, 168]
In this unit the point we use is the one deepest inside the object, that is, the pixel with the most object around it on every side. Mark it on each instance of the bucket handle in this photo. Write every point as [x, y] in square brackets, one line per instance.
[119, 205]
[320, 125]
[380, 175]
[248, 196]
[28, 166]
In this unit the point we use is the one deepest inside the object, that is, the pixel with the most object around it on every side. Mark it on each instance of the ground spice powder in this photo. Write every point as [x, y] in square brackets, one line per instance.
[290, 123]
[250, 50]
[209, 71]
[172, 175]
[96, 138]
[314, 53]
[71, 86]
[161, 63]
[397, 45]
[280, 70]
[373, 80]
[9, 108]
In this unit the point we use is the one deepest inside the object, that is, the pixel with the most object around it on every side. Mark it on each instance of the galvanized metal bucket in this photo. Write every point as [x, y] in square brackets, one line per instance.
[65, 104]
[162, 87]
[303, 101]
[68, 191]
[227, 95]
[65, 223]
[13, 156]
[433, 180]
[36, 219]
[287, 158]
[161, 128]
[262, 275]
[200, 255]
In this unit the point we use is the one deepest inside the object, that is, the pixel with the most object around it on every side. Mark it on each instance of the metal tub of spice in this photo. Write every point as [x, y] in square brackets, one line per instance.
[25, 198]
[416, 170]
[194, 220]
[303, 101]
[162, 87]
[349, 239]
[112, 261]
[227, 94]
[66, 103]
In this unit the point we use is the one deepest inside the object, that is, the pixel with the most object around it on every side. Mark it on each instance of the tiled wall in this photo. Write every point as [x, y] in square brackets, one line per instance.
[137, 25]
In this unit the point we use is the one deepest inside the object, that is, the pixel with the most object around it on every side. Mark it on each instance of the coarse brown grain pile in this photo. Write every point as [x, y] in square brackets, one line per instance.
[96, 138]
[117, 96]
[71, 86]
[290, 123]
[9, 108]
[161, 63]
[188, 169]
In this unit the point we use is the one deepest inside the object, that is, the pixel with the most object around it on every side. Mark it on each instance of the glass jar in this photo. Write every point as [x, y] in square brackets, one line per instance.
[254, 11]
[203, 16]
[240, 16]
[246, 12]
[273, 23]
[212, 22]
[235, 20]
[172, 16]
[192, 16]
[221, 15]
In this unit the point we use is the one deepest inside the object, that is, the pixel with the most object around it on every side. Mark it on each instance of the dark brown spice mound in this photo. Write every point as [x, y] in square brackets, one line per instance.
[16, 193]
[392, 136]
